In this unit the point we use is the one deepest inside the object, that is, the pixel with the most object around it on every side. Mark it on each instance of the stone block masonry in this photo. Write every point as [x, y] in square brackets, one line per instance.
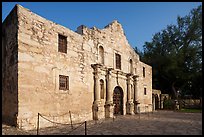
[103, 75]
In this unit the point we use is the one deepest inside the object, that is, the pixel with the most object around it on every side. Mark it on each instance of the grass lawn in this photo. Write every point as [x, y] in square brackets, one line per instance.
[191, 110]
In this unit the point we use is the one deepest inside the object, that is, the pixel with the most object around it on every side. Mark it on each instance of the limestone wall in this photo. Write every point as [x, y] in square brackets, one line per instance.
[145, 82]
[40, 65]
[9, 69]
[155, 91]
[113, 40]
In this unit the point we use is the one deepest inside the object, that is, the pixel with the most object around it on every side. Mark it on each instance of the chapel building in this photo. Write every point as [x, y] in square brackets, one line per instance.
[49, 69]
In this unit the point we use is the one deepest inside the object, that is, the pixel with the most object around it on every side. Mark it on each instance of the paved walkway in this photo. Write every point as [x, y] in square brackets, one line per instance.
[157, 123]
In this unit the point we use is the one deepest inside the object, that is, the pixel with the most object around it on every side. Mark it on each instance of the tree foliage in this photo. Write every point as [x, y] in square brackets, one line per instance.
[139, 52]
[175, 54]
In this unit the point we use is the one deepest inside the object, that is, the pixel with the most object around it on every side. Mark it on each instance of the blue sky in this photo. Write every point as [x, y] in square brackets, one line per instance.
[140, 20]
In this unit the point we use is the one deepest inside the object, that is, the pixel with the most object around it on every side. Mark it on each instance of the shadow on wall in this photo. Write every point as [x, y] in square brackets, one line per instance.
[10, 69]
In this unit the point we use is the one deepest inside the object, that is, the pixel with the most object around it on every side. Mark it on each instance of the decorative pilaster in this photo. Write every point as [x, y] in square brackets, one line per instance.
[97, 108]
[109, 103]
[129, 103]
[136, 100]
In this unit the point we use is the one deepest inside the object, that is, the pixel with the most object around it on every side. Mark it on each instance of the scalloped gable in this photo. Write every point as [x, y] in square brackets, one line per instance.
[115, 26]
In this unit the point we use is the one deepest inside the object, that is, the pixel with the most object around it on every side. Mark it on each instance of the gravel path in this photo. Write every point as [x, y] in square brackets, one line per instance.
[158, 123]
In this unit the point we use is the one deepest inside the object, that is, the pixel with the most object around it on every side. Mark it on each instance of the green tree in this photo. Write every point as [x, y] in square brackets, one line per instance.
[139, 52]
[175, 53]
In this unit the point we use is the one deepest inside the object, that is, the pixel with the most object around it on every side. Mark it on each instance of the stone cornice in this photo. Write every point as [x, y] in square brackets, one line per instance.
[100, 67]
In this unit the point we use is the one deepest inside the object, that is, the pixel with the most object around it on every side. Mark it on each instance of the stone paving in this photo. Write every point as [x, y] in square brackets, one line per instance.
[158, 123]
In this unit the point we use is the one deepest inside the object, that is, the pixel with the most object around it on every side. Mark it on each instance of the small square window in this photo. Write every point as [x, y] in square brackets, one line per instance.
[62, 43]
[63, 82]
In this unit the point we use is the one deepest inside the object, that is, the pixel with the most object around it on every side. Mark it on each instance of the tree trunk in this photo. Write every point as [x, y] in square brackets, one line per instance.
[174, 90]
[176, 102]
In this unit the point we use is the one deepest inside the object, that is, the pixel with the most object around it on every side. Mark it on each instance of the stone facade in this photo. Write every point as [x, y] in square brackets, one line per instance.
[32, 65]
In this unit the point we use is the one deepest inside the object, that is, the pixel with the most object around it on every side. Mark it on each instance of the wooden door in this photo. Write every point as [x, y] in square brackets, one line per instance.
[118, 101]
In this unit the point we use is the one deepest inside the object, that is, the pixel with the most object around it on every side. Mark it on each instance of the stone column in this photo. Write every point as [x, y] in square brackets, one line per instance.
[161, 101]
[108, 90]
[109, 102]
[97, 108]
[136, 100]
[153, 102]
[96, 88]
[129, 104]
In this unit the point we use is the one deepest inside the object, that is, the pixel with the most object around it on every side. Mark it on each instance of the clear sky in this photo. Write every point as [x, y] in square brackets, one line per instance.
[140, 20]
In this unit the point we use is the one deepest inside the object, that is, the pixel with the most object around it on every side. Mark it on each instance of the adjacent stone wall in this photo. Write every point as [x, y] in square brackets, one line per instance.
[190, 103]
[10, 69]
[145, 82]
[156, 99]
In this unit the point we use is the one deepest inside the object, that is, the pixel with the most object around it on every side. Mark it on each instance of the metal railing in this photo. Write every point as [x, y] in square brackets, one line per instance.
[68, 124]
[71, 124]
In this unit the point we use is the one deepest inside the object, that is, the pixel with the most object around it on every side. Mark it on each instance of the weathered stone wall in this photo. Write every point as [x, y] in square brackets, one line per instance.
[155, 91]
[10, 69]
[145, 82]
[113, 40]
[40, 64]
[190, 103]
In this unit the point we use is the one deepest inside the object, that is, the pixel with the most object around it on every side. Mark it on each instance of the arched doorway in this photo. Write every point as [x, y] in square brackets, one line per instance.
[118, 101]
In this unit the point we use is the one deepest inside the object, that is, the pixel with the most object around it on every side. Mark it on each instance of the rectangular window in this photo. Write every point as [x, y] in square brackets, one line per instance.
[145, 91]
[63, 82]
[143, 71]
[118, 61]
[62, 43]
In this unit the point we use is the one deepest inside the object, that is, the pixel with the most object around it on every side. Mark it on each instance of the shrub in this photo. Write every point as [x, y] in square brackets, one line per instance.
[168, 104]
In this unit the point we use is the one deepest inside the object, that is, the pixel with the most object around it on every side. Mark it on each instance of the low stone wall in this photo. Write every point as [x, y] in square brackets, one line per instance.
[190, 103]
[183, 103]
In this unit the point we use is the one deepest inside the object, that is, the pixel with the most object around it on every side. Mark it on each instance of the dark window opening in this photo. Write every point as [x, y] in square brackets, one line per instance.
[143, 71]
[63, 82]
[131, 66]
[118, 61]
[62, 43]
[145, 91]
